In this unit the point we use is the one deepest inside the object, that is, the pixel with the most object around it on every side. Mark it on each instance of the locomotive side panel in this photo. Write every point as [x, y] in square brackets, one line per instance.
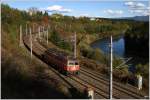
[52, 59]
[62, 62]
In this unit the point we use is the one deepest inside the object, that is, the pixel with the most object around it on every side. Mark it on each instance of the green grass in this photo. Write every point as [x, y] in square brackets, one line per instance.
[23, 77]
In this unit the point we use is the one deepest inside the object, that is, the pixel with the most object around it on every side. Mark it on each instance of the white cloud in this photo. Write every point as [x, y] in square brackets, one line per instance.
[130, 3]
[58, 8]
[141, 5]
[147, 11]
[140, 11]
[148, 8]
[138, 7]
[134, 5]
[136, 11]
[113, 12]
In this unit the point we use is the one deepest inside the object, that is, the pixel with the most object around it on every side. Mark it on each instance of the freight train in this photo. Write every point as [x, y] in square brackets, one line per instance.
[61, 61]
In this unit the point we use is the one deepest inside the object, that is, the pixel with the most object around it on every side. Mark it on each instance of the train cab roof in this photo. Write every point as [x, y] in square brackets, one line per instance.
[55, 51]
[60, 54]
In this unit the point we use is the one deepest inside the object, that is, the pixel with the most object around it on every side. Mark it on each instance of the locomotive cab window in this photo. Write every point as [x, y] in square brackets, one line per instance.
[71, 63]
[76, 63]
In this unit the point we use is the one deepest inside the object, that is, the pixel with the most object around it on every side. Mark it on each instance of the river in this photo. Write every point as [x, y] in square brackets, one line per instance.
[118, 50]
[118, 46]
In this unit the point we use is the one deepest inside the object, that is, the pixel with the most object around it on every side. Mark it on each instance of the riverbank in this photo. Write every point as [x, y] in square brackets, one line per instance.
[99, 56]
[119, 48]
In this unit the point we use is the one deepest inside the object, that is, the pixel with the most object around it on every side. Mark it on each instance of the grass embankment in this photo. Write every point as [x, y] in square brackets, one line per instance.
[23, 77]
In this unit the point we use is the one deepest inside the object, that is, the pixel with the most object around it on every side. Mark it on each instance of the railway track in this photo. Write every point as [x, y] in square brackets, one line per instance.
[103, 87]
[123, 93]
[130, 90]
[127, 91]
[69, 82]
[38, 50]
[100, 92]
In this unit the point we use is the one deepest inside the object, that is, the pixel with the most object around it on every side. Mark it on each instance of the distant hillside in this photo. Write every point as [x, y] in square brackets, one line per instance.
[137, 18]
[141, 18]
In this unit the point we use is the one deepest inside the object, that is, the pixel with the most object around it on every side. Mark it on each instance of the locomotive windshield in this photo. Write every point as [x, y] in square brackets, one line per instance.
[72, 62]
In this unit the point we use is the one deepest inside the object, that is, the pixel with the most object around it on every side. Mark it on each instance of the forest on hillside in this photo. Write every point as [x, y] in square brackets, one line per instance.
[87, 29]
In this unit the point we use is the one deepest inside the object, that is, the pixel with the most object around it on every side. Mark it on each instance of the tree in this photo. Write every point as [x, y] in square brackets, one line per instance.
[55, 37]
[32, 10]
[45, 20]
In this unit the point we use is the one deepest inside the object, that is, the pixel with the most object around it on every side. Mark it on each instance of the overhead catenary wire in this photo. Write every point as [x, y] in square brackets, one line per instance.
[122, 64]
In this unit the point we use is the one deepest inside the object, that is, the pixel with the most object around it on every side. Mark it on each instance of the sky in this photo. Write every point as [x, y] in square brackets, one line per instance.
[89, 8]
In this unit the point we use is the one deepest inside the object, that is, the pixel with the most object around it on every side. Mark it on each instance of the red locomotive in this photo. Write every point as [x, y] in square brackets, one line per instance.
[61, 61]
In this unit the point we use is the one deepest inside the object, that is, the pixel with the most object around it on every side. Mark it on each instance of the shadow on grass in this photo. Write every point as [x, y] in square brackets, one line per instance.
[16, 84]
[19, 84]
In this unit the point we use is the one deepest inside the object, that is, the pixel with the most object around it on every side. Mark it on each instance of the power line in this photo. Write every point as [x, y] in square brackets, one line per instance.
[122, 64]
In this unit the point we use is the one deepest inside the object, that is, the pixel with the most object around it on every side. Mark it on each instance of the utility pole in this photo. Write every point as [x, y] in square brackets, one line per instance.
[39, 33]
[31, 42]
[75, 52]
[65, 25]
[70, 28]
[33, 27]
[20, 36]
[47, 36]
[43, 31]
[26, 29]
[111, 68]
[73, 41]
[55, 26]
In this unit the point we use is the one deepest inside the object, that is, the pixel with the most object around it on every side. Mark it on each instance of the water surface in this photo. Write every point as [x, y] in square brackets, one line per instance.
[118, 50]
[118, 46]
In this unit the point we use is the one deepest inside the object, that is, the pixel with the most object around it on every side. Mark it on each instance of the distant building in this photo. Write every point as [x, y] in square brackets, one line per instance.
[92, 18]
[96, 19]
